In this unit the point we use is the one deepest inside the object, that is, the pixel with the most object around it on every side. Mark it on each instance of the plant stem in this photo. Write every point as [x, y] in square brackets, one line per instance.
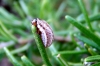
[41, 47]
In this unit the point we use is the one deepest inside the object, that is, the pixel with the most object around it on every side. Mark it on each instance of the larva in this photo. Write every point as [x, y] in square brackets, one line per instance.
[44, 30]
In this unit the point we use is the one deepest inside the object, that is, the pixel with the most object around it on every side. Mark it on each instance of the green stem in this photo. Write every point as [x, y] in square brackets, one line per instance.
[85, 14]
[41, 47]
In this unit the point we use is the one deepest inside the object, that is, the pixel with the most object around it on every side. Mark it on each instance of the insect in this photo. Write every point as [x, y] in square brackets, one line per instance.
[44, 30]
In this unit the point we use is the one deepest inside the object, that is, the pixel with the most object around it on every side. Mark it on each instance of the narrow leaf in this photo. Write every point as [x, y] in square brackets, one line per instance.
[84, 30]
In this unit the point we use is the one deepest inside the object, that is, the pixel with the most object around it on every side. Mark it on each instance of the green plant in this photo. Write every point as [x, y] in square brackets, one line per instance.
[75, 25]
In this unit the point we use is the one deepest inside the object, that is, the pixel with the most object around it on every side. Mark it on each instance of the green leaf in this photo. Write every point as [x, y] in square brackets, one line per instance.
[8, 34]
[71, 52]
[96, 64]
[92, 58]
[12, 58]
[87, 41]
[21, 49]
[84, 30]
[26, 61]
[81, 4]
[92, 18]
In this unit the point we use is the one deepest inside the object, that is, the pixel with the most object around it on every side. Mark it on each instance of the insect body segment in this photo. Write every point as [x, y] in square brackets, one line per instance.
[44, 30]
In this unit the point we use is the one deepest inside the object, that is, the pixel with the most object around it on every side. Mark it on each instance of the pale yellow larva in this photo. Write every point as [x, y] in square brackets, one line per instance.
[44, 30]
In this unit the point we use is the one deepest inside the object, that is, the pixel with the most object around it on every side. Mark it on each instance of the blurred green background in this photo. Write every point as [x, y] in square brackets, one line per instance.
[16, 34]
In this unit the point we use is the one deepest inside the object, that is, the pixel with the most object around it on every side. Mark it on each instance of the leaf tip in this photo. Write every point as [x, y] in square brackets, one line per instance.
[66, 16]
[33, 28]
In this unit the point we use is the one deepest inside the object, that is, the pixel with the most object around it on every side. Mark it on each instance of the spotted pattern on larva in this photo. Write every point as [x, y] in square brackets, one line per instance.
[45, 31]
